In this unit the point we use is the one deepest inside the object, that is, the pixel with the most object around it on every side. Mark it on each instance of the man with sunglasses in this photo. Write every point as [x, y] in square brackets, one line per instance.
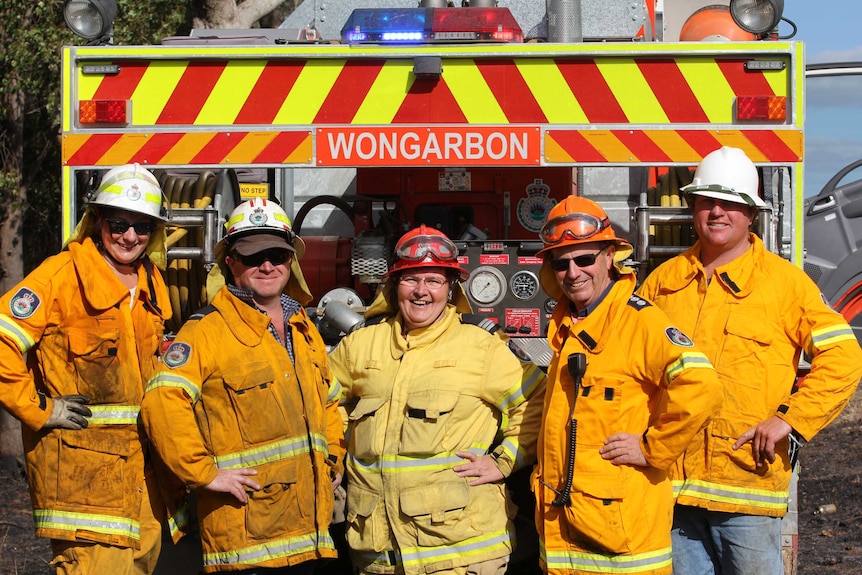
[754, 314]
[245, 410]
[440, 413]
[627, 390]
[79, 338]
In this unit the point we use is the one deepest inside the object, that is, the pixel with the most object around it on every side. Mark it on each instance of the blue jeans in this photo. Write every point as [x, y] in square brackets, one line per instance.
[717, 543]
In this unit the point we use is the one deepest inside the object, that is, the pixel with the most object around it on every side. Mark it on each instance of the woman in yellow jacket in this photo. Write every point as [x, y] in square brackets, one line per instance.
[627, 391]
[79, 337]
[440, 412]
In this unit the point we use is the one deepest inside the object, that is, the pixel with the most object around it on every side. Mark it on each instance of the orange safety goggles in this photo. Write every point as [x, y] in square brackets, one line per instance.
[577, 226]
[420, 248]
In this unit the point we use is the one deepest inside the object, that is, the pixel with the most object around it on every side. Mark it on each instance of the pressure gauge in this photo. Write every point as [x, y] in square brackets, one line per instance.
[524, 285]
[486, 285]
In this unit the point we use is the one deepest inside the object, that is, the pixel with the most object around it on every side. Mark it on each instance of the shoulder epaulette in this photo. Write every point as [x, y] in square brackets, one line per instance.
[479, 321]
[206, 310]
[638, 303]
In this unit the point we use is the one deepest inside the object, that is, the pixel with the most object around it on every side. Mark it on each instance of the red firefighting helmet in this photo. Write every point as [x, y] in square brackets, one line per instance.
[425, 247]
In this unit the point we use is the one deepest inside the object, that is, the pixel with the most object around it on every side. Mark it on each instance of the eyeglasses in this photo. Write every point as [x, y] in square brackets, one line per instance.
[121, 226]
[432, 283]
[577, 226]
[275, 256]
[583, 261]
[420, 248]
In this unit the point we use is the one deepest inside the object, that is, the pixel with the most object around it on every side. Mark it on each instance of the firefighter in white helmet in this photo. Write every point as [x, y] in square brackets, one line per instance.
[245, 410]
[754, 314]
[440, 413]
[79, 337]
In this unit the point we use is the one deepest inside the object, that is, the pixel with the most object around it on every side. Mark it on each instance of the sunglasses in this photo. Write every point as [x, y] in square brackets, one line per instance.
[274, 256]
[121, 226]
[583, 261]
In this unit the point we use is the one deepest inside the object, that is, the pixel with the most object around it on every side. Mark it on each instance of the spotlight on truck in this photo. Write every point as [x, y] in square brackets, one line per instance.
[759, 17]
[90, 19]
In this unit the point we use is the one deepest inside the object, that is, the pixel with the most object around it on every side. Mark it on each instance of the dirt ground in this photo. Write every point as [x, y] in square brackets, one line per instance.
[829, 544]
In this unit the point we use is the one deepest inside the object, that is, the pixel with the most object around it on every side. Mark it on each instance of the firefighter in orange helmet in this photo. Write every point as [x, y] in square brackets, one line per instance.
[245, 411]
[626, 392]
[753, 314]
[79, 337]
[440, 413]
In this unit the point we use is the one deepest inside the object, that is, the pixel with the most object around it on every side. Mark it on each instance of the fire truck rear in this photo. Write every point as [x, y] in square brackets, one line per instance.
[475, 120]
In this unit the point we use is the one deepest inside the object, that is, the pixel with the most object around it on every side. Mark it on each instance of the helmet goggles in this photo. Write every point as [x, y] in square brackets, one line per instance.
[577, 226]
[422, 248]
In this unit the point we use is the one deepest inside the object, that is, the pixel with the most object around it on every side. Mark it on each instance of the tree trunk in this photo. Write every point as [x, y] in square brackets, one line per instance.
[220, 14]
[14, 195]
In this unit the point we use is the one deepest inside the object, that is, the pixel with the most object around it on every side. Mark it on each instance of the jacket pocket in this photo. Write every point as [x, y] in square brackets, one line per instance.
[367, 526]
[258, 410]
[364, 420]
[738, 465]
[594, 518]
[427, 423]
[438, 512]
[97, 367]
[746, 351]
[91, 469]
[273, 511]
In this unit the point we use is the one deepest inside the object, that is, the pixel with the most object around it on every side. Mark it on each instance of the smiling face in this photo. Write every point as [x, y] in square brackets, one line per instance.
[265, 274]
[722, 226]
[422, 296]
[126, 247]
[583, 284]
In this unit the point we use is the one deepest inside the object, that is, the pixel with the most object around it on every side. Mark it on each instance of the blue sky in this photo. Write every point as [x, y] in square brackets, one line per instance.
[831, 31]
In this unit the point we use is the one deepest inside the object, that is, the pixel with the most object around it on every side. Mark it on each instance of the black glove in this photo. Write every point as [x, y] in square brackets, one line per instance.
[69, 412]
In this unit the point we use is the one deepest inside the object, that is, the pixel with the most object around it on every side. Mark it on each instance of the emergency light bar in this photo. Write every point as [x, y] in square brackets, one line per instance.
[430, 25]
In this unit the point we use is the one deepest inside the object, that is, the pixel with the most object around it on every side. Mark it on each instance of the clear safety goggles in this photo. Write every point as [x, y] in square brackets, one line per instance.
[578, 226]
[420, 248]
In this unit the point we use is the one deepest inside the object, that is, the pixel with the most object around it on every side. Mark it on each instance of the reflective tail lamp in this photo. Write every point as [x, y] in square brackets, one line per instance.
[760, 108]
[103, 112]
[430, 25]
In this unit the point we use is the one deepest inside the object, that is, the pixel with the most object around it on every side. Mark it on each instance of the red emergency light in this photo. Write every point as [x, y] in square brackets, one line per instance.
[103, 112]
[430, 25]
[761, 108]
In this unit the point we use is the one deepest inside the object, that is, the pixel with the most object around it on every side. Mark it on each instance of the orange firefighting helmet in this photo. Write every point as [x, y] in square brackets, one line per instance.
[425, 247]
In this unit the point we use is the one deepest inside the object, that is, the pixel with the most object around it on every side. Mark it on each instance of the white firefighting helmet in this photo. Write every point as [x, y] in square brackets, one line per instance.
[257, 217]
[132, 188]
[726, 174]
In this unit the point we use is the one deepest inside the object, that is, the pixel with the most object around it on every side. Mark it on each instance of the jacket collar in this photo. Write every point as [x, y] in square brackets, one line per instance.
[247, 323]
[419, 337]
[100, 286]
[737, 276]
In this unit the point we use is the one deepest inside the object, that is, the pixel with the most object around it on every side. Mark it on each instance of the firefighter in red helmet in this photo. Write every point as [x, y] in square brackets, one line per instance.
[440, 413]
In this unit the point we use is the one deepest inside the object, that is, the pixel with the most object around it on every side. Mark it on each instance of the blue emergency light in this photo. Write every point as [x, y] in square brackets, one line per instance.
[430, 25]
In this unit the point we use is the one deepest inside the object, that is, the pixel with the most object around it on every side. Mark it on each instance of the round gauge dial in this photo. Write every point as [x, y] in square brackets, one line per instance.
[486, 285]
[524, 284]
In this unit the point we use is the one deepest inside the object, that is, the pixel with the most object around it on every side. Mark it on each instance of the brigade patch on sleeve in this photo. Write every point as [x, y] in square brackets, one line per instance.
[676, 337]
[24, 303]
[177, 355]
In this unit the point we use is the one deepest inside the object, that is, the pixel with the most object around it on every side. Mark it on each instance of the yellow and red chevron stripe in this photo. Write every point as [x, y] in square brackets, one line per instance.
[668, 146]
[579, 88]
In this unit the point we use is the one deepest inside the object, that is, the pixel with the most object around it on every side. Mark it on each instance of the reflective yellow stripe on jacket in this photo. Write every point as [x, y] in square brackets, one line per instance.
[270, 550]
[760, 498]
[597, 563]
[114, 414]
[277, 451]
[71, 522]
[21, 337]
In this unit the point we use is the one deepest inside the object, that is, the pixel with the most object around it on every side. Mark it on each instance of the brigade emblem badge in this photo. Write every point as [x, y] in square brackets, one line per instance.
[676, 337]
[533, 209]
[24, 303]
[257, 217]
[177, 355]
